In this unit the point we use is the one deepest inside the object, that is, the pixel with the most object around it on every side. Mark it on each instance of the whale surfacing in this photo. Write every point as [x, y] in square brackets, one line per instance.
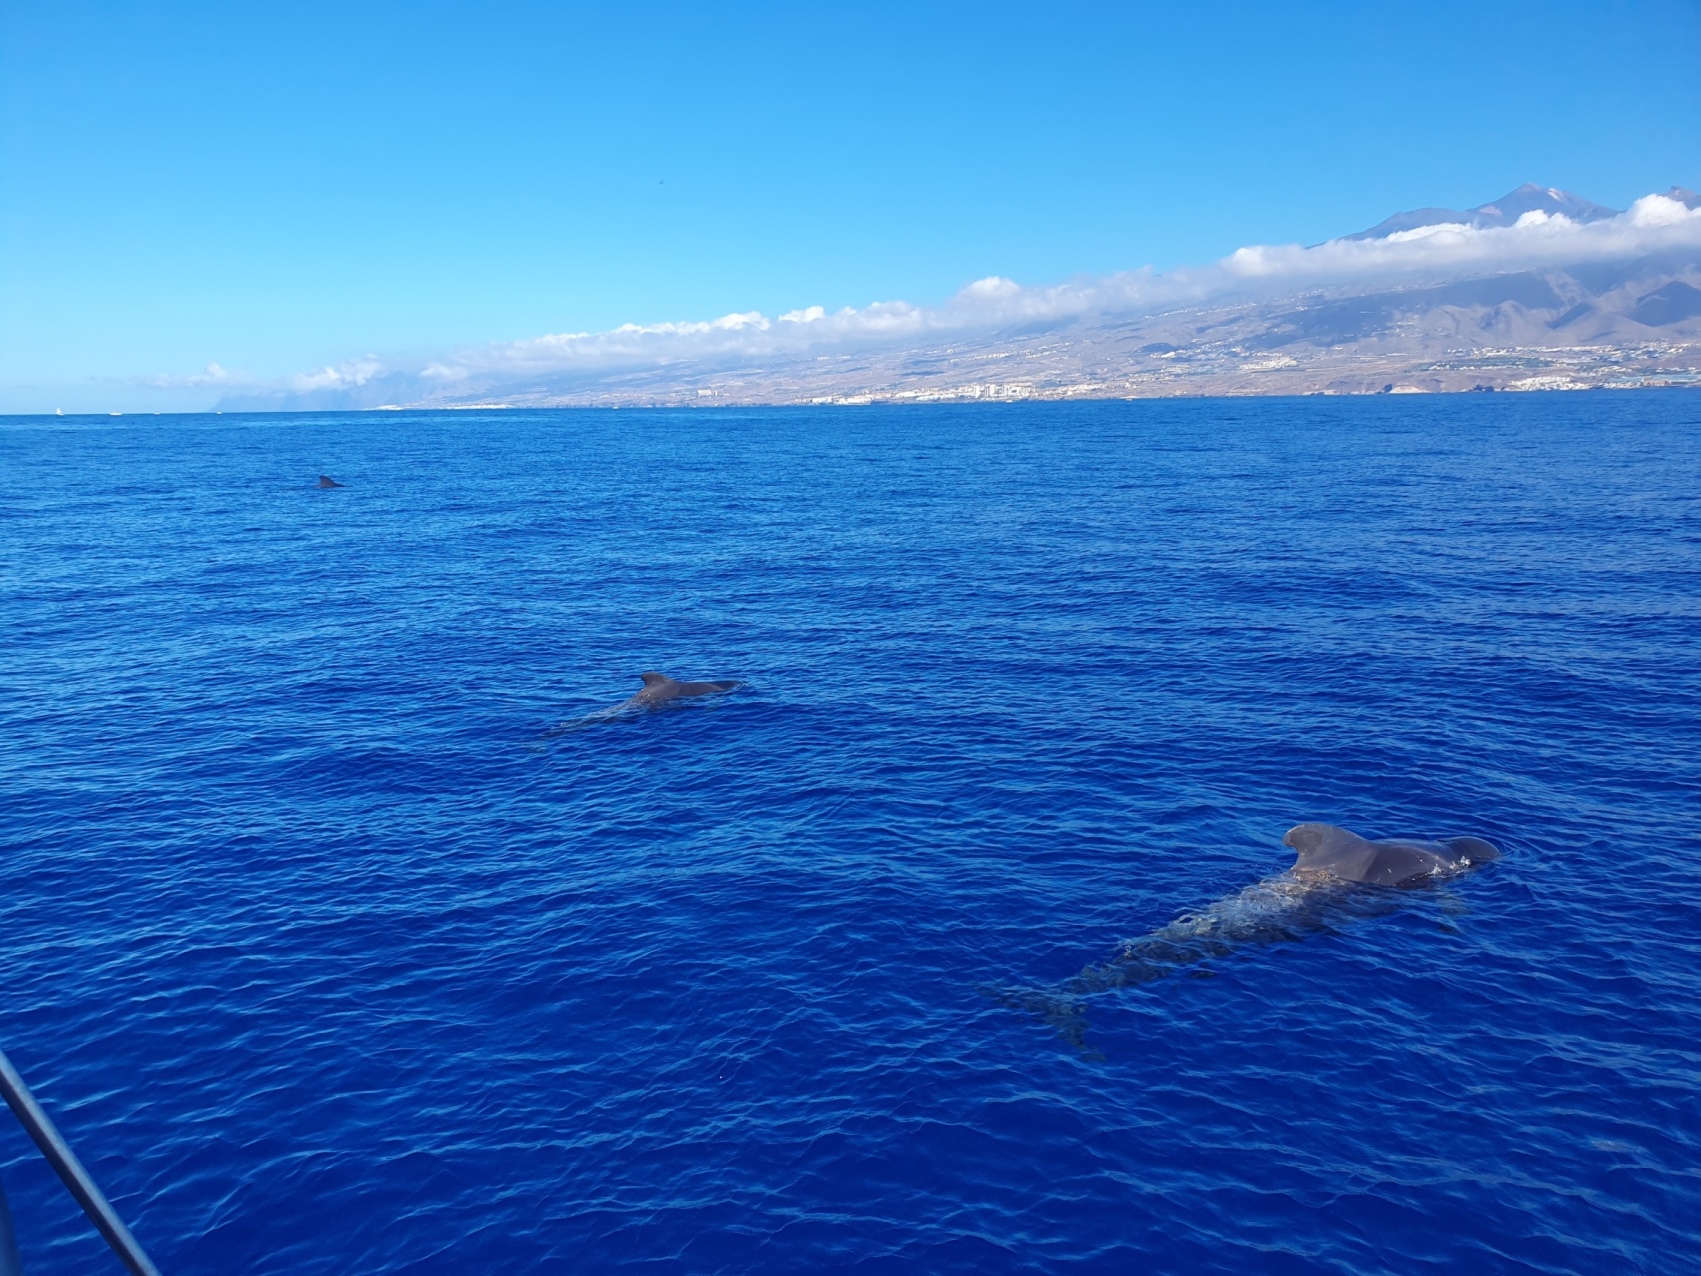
[1398, 861]
[326, 482]
[1338, 878]
[660, 691]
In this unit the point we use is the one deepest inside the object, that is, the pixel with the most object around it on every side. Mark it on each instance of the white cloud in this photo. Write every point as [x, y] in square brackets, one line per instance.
[992, 288]
[346, 375]
[213, 376]
[1652, 223]
[1661, 210]
[349, 374]
[1537, 239]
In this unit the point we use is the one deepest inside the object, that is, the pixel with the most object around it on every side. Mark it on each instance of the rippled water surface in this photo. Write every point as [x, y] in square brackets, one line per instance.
[329, 960]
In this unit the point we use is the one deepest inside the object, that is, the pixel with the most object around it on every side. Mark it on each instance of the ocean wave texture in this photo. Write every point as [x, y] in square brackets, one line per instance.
[329, 958]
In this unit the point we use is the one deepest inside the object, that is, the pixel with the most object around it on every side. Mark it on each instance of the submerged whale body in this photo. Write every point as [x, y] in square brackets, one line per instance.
[1338, 877]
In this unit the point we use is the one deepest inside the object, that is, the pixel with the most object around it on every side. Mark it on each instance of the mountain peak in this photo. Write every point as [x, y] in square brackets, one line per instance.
[1528, 198]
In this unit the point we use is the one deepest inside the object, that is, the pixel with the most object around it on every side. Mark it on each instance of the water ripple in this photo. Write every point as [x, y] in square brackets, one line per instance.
[328, 959]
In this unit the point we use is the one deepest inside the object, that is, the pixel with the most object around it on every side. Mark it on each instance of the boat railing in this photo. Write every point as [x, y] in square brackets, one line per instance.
[70, 1170]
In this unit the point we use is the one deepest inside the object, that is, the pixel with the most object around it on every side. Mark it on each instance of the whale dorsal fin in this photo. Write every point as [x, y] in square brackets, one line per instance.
[1321, 845]
[654, 679]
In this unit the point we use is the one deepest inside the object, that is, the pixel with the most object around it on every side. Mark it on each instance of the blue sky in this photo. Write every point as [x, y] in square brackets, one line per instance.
[276, 187]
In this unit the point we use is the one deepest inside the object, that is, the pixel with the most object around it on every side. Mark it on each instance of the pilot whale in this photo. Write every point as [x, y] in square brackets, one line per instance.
[1399, 861]
[326, 481]
[1337, 877]
[659, 691]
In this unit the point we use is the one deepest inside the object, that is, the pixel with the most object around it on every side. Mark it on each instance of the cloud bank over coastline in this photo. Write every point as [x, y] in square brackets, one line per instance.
[1653, 225]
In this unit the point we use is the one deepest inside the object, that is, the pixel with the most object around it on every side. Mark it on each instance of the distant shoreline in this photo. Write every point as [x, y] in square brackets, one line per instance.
[871, 400]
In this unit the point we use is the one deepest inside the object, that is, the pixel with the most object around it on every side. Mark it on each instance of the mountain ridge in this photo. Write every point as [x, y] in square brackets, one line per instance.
[1433, 320]
[1505, 211]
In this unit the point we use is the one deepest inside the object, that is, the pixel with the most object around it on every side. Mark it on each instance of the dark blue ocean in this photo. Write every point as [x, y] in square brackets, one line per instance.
[328, 959]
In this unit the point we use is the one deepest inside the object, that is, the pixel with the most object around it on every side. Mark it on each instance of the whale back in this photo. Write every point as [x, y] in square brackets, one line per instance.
[1344, 854]
[660, 686]
[1392, 862]
[708, 688]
